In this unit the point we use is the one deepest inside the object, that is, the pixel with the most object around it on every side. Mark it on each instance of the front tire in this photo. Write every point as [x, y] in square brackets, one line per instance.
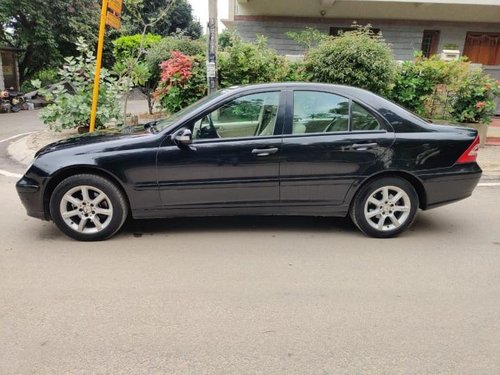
[88, 207]
[385, 207]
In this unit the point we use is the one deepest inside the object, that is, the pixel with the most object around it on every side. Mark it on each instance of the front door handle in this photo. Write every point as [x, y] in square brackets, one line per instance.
[264, 151]
[363, 146]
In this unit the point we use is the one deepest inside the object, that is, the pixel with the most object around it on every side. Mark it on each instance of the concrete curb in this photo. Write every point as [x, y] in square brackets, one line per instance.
[23, 150]
[19, 151]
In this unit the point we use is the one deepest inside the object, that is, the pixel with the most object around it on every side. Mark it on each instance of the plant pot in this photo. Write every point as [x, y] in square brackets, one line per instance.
[482, 129]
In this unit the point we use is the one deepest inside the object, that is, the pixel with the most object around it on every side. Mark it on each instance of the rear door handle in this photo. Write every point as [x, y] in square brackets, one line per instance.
[264, 151]
[363, 146]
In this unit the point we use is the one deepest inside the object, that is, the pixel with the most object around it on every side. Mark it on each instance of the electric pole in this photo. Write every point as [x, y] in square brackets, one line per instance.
[212, 46]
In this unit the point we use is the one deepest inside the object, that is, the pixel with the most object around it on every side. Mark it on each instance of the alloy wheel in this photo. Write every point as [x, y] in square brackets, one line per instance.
[387, 208]
[86, 209]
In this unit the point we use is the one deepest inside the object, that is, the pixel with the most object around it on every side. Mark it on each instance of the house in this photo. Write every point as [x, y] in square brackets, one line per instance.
[9, 71]
[471, 26]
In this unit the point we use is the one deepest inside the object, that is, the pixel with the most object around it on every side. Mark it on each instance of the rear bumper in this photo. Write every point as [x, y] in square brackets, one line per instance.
[31, 196]
[450, 184]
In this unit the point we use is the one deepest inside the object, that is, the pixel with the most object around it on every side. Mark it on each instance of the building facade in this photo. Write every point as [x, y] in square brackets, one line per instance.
[470, 26]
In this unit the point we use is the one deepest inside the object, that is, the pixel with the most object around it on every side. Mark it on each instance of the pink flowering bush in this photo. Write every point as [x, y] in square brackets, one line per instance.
[182, 81]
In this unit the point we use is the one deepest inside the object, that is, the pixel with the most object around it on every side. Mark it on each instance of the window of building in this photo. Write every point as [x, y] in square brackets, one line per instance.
[335, 31]
[430, 41]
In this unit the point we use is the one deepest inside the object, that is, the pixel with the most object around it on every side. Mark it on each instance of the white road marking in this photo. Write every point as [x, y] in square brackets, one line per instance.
[489, 184]
[10, 174]
[15, 136]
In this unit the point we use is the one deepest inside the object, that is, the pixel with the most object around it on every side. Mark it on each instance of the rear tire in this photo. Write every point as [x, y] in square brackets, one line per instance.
[88, 207]
[385, 207]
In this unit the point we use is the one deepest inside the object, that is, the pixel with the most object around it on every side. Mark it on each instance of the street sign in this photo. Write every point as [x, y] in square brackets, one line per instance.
[211, 71]
[113, 20]
[115, 6]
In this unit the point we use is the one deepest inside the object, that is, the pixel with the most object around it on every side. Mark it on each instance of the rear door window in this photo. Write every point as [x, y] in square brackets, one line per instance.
[319, 112]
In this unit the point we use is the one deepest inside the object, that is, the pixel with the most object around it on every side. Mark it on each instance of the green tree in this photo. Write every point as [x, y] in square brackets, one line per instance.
[357, 58]
[46, 31]
[179, 17]
[307, 38]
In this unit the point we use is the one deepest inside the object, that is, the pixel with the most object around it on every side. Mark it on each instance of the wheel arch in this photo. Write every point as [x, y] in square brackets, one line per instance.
[412, 179]
[75, 170]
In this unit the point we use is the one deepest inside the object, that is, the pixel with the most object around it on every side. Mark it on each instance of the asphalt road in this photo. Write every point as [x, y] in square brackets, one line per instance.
[250, 295]
[253, 296]
[12, 126]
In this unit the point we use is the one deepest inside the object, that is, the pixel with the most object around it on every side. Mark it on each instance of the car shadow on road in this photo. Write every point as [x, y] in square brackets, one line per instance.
[424, 223]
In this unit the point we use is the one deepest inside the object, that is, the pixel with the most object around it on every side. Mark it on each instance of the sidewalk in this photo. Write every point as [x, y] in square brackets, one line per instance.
[23, 149]
[493, 138]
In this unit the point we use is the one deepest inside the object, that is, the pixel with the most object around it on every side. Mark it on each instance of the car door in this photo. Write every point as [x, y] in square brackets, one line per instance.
[330, 142]
[233, 160]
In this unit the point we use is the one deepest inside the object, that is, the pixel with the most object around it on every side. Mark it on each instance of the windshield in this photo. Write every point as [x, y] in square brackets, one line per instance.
[166, 122]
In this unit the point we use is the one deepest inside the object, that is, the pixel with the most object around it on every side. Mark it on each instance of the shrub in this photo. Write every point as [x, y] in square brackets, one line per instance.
[474, 100]
[133, 45]
[417, 83]
[182, 81]
[162, 52]
[225, 39]
[46, 77]
[358, 58]
[244, 62]
[72, 97]
[129, 53]
[295, 72]
[449, 90]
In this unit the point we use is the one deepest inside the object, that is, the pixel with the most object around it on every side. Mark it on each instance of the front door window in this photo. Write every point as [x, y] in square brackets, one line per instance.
[248, 116]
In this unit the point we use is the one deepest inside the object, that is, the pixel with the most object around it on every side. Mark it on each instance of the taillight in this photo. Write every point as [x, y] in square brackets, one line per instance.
[470, 155]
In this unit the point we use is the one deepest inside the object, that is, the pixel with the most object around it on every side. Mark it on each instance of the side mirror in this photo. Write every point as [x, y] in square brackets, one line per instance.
[183, 137]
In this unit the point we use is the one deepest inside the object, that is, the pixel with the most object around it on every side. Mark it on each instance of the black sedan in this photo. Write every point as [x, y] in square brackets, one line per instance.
[270, 149]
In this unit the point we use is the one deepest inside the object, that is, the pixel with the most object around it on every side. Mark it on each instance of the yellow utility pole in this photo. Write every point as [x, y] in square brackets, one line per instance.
[111, 17]
[100, 46]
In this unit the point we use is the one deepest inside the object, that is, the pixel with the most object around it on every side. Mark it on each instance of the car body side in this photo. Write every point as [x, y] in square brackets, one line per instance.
[423, 153]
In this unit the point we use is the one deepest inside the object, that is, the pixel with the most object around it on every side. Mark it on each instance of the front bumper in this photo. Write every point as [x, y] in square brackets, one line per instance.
[450, 184]
[31, 196]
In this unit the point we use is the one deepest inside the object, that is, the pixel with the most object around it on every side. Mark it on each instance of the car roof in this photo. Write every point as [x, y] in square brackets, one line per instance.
[280, 85]
[356, 92]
